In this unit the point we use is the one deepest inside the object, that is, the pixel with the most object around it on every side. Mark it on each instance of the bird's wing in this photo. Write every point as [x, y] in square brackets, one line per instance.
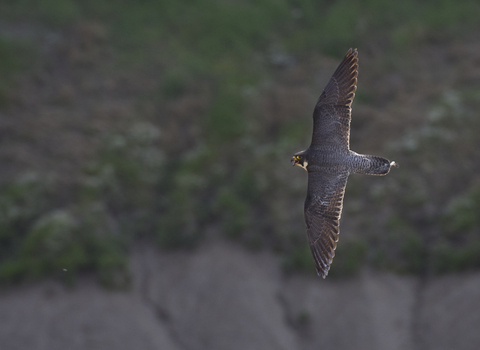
[323, 208]
[333, 111]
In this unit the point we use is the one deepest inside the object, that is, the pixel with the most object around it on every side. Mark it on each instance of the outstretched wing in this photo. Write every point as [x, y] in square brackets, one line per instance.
[333, 111]
[323, 208]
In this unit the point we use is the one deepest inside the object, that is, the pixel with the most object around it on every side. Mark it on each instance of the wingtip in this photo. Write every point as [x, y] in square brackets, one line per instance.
[352, 52]
[322, 274]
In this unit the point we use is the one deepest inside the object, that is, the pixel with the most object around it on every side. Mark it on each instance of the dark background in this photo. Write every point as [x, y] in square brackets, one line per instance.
[171, 124]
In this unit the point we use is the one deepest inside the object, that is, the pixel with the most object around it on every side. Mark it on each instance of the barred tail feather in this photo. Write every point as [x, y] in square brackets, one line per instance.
[372, 165]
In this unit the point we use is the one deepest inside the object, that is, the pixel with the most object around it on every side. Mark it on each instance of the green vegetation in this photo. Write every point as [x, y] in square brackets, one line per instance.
[37, 240]
[15, 55]
[349, 258]
[458, 247]
[207, 148]
[400, 248]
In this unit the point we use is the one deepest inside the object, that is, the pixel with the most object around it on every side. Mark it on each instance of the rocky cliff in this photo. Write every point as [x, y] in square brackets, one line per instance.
[224, 297]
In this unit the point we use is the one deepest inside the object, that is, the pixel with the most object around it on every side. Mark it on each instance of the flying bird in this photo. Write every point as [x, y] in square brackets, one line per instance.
[329, 161]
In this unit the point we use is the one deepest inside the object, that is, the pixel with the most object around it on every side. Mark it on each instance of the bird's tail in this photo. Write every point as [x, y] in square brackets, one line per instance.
[373, 165]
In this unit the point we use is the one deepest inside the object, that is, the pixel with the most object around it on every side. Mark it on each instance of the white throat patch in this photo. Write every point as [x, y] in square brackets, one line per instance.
[304, 165]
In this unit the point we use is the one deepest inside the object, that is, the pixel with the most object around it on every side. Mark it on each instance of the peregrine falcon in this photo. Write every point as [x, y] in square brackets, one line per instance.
[329, 161]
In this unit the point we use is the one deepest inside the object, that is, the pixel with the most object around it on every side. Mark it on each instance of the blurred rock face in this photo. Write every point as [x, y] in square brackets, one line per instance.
[223, 297]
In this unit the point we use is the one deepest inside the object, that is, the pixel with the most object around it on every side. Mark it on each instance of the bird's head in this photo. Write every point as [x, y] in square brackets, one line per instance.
[299, 159]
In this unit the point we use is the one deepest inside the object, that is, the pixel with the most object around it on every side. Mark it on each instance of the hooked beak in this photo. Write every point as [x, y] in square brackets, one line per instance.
[294, 161]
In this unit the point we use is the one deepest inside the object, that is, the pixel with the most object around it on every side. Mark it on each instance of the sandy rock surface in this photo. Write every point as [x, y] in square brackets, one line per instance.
[222, 296]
